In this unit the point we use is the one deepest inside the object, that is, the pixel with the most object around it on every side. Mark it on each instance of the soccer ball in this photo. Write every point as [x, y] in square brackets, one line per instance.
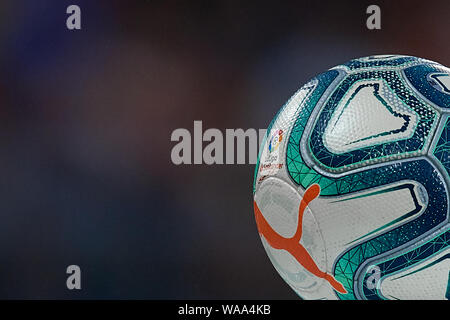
[351, 188]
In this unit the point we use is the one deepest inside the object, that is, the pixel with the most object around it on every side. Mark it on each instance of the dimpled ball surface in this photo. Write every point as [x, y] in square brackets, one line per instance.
[351, 188]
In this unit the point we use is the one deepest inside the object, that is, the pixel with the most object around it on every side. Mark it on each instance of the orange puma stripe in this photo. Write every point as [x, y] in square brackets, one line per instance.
[292, 245]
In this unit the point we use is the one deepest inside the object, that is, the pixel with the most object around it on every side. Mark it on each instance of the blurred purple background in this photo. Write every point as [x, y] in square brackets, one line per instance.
[85, 124]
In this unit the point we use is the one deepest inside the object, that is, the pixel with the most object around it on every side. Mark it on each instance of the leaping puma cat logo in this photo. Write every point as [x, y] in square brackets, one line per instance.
[292, 245]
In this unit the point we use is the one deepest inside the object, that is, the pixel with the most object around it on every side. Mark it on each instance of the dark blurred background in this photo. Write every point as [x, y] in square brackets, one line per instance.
[86, 117]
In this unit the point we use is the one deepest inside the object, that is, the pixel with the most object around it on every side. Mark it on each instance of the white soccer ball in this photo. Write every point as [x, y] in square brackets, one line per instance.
[351, 189]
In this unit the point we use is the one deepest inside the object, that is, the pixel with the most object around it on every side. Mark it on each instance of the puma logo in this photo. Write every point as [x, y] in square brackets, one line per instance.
[292, 245]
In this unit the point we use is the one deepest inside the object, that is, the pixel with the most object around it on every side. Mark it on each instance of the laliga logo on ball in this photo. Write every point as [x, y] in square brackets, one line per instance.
[275, 140]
